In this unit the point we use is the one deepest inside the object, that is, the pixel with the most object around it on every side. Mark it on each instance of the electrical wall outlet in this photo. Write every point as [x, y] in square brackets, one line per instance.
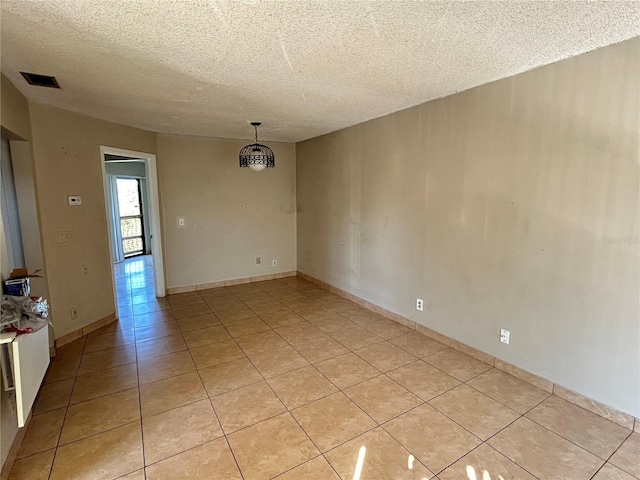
[258, 260]
[274, 263]
[85, 268]
[182, 222]
[74, 313]
[419, 304]
[64, 236]
[504, 336]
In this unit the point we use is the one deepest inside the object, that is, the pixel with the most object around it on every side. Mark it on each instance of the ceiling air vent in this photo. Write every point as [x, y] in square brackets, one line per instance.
[40, 80]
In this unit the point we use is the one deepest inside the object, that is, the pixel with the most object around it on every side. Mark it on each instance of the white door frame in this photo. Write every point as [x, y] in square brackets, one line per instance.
[154, 212]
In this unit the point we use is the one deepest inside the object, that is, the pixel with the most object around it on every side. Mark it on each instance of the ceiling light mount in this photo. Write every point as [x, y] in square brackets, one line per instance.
[255, 156]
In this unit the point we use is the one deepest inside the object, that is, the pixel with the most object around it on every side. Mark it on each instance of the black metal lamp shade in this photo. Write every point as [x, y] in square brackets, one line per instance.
[255, 156]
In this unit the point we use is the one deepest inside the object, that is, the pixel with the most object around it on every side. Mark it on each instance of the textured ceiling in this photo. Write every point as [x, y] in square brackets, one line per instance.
[303, 67]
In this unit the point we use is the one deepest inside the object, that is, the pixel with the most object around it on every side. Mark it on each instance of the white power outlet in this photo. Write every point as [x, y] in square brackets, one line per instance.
[504, 335]
[419, 304]
[274, 263]
[258, 260]
[74, 313]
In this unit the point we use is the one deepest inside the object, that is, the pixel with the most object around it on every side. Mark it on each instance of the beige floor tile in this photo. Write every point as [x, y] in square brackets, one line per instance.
[423, 380]
[609, 472]
[228, 303]
[170, 393]
[142, 308]
[198, 323]
[457, 364]
[271, 447]
[125, 310]
[417, 344]
[176, 302]
[281, 319]
[246, 327]
[509, 390]
[43, 433]
[110, 454]
[235, 314]
[268, 308]
[332, 420]
[104, 382]
[387, 329]
[229, 376]
[153, 318]
[100, 414]
[302, 386]
[299, 332]
[321, 312]
[588, 430]
[158, 368]
[105, 359]
[218, 292]
[36, 467]
[473, 410]
[109, 340]
[359, 315]
[206, 336]
[158, 330]
[435, 440]
[54, 396]
[355, 338]
[243, 289]
[382, 398]
[485, 459]
[62, 369]
[316, 469]
[137, 475]
[383, 458]
[332, 323]
[320, 348]
[177, 430]
[261, 342]
[210, 461]
[255, 298]
[122, 323]
[174, 296]
[72, 349]
[191, 311]
[216, 354]
[543, 453]
[156, 347]
[347, 370]
[627, 457]
[385, 356]
[277, 362]
[147, 298]
[246, 406]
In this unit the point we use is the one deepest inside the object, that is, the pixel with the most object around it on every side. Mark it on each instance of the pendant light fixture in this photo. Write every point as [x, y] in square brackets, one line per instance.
[255, 156]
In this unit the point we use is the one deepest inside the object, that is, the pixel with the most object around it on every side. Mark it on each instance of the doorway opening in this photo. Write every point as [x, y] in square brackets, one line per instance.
[133, 218]
[131, 230]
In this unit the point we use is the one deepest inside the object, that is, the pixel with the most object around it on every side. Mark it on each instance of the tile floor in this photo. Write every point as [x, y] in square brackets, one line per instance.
[280, 379]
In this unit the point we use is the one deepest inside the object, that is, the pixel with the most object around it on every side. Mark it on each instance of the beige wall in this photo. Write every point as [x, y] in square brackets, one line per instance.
[67, 159]
[497, 206]
[14, 112]
[14, 117]
[233, 215]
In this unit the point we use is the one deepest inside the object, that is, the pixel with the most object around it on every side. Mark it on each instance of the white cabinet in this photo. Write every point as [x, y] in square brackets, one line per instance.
[29, 360]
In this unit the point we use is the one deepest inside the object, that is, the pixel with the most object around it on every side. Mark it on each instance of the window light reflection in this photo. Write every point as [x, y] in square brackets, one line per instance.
[359, 463]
